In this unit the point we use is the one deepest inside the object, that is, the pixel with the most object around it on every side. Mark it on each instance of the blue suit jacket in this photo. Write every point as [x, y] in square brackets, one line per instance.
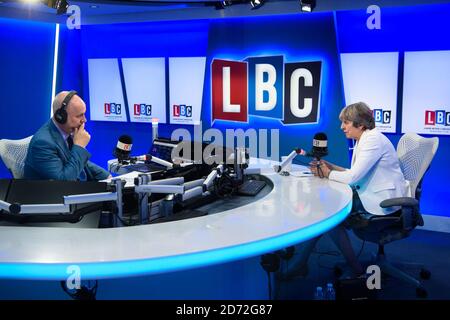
[49, 157]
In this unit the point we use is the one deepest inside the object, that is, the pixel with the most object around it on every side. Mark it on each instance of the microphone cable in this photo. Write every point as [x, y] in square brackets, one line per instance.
[319, 169]
[224, 186]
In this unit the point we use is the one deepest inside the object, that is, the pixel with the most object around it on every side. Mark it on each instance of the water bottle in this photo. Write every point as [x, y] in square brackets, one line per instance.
[330, 293]
[318, 295]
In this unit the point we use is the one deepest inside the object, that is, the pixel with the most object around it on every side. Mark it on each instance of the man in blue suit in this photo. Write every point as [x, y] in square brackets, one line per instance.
[58, 149]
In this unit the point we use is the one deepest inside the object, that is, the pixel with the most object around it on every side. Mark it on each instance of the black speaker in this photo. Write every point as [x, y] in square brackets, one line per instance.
[61, 114]
[354, 289]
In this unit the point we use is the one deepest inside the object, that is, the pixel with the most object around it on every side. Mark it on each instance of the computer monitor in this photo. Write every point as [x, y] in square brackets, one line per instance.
[170, 150]
[192, 152]
[162, 148]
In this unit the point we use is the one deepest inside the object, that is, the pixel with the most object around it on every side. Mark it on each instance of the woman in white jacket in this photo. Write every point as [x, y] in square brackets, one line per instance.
[375, 170]
[374, 176]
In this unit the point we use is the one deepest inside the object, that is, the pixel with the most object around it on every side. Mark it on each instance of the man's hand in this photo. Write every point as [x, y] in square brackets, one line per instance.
[81, 137]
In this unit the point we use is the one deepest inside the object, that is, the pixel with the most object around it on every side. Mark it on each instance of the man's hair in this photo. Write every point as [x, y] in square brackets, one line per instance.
[57, 101]
[360, 114]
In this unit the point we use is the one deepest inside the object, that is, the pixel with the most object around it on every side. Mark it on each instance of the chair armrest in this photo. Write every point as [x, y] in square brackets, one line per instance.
[402, 201]
[410, 214]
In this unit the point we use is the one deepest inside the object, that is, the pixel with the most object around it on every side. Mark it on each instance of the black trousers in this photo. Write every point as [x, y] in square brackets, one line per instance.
[359, 217]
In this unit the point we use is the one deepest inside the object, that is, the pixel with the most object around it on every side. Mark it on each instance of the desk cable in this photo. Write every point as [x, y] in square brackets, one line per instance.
[225, 186]
[83, 293]
[319, 169]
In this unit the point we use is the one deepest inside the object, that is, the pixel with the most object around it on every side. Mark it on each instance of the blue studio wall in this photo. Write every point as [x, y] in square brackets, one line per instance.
[26, 51]
[183, 39]
[403, 29]
[234, 39]
[173, 39]
[26, 68]
[419, 28]
[297, 38]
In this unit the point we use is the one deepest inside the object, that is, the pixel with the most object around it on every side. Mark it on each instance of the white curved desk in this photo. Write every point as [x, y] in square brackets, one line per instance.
[295, 210]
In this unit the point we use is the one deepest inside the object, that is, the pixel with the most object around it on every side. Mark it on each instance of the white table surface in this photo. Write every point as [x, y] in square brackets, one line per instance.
[297, 209]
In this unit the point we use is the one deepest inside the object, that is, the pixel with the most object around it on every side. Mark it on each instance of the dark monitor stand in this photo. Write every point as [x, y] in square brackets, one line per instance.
[47, 192]
[4, 188]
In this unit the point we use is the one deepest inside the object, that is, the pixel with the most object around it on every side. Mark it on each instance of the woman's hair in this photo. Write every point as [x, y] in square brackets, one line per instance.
[360, 114]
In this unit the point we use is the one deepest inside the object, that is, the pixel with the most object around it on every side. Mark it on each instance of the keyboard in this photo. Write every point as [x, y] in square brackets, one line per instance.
[251, 187]
[145, 167]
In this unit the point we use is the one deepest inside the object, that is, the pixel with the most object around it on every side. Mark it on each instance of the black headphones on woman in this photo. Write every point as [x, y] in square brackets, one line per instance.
[61, 114]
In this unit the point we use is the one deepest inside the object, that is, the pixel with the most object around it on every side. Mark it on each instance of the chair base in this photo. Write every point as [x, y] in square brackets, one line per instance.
[393, 271]
[390, 270]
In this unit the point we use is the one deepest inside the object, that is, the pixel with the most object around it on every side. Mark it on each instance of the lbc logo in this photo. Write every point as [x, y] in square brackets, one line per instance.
[182, 110]
[113, 108]
[382, 116]
[142, 109]
[437, 117]
[255, 87]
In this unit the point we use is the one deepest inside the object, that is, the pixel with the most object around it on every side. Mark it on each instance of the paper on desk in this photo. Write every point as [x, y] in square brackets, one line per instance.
[128, 177]
[304, 173]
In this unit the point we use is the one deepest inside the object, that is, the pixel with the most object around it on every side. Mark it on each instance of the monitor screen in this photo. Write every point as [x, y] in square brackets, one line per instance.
[187, 152]
[162, 148]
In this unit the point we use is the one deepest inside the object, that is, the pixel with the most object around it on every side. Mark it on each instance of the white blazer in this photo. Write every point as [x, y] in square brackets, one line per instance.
[375, 172]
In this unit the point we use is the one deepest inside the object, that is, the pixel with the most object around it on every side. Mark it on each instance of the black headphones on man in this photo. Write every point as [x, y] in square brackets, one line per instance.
[61, 114]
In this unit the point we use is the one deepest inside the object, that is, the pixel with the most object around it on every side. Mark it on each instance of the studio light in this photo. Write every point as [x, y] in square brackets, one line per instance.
[60, 5]
[222, 4]
[256, 3]
[307, 5]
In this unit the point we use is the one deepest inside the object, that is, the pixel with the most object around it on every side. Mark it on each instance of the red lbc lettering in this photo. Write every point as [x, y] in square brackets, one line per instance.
[137, 109]
[176, 110]
[107, 108]
[430, 117]
[231, 103]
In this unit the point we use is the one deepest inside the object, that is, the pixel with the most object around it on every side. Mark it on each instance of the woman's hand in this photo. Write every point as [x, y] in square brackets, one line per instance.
[313, 166]
[321, 168]
[326, 168]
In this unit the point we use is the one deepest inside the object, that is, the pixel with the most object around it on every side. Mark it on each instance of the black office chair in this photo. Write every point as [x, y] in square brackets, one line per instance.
[415, 154]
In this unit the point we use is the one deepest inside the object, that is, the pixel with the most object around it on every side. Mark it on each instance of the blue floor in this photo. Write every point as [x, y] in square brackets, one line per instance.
[427, 247]
[242, 280]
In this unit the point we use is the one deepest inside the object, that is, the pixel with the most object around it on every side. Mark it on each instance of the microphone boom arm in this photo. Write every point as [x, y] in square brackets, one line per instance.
[282, 165]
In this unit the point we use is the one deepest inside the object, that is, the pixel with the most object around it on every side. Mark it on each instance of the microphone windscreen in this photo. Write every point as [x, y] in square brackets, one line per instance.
[320, 145]
[124, 143]
[125, 139]
[320, 136]
[320, 140]
[123, 147]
